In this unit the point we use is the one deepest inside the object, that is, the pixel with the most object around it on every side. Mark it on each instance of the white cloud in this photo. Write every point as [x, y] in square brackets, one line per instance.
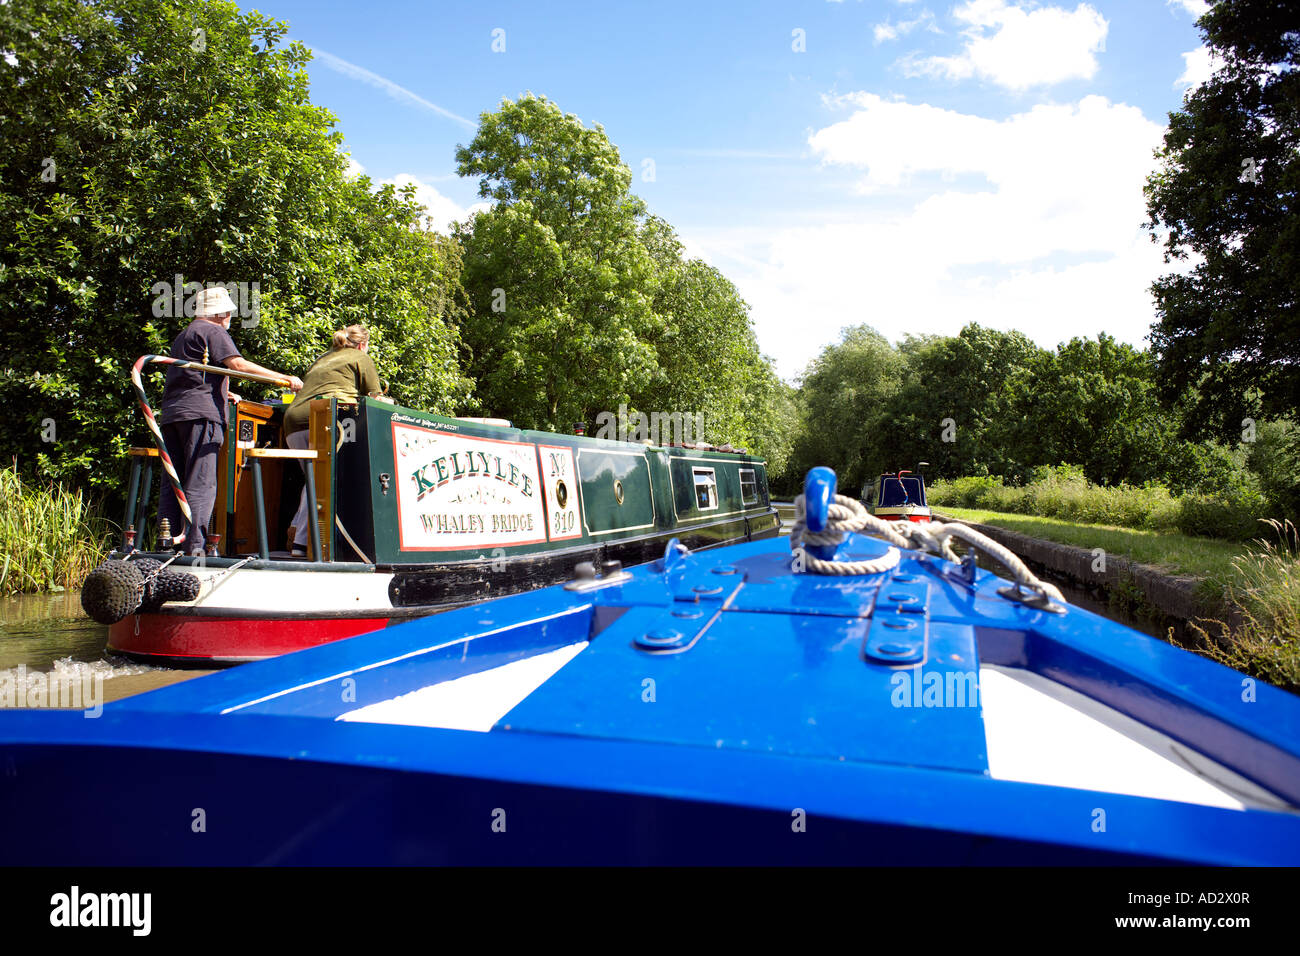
[441, 210]
[892, 31]
[354, 168]
[1020, 47]
[1198, 66]
[1196, 8]
[1049, 244]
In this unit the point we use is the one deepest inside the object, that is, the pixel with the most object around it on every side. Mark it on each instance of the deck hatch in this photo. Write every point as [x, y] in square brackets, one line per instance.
[769, 683]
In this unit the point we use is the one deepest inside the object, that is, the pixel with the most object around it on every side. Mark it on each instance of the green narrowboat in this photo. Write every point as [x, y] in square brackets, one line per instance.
[414, 513]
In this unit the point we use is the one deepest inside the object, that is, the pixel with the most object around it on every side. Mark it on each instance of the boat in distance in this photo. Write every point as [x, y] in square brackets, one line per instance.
[414, 513]
[901, 497]
[850, 701]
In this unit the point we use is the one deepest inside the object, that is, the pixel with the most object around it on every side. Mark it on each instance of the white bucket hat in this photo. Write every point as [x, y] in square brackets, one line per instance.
[214, 301]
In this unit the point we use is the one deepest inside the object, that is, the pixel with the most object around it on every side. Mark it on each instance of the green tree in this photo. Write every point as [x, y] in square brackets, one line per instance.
[706, 353]
[961, 403]
[559, 281]
[846, 397]
[1275, 457]
[772, 417]
[1224, 201]
[1094, 404]
[582, 302]
[149, 138]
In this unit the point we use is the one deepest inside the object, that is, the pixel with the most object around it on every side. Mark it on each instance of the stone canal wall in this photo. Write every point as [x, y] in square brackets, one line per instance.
[1176, 597]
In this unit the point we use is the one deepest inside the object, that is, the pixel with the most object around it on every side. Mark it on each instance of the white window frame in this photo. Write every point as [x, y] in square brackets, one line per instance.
[753, 483]
[710, 481]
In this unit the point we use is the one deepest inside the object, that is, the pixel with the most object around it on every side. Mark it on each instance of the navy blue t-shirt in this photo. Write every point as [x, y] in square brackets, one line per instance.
[191, 394]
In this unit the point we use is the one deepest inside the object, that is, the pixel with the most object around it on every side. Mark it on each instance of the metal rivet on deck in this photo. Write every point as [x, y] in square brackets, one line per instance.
[902, 598]
[664, 635]
[899, 625]
[660, 638]
[688, 615]
[706, 589]
[896, 649]
[726, 569]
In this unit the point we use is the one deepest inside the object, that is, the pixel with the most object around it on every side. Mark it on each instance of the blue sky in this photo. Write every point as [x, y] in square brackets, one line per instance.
[909, 164]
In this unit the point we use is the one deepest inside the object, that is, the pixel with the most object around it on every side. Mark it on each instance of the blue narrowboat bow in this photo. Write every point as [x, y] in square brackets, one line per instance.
[739, 705]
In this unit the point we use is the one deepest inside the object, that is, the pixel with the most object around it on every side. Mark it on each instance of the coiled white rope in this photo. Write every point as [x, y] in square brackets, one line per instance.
[846, 515]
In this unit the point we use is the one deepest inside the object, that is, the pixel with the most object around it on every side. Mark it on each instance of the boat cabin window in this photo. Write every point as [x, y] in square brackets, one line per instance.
[748, 486]
[706, 489]
[896, 492]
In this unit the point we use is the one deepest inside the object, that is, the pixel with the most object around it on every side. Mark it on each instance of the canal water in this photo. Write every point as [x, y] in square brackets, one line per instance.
[37, 630]
[47, 639]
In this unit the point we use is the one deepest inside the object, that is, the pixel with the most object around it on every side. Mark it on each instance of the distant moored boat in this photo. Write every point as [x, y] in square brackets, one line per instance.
[901, 497]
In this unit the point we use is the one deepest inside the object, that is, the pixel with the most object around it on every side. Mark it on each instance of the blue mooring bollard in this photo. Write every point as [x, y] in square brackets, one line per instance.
[818, 493]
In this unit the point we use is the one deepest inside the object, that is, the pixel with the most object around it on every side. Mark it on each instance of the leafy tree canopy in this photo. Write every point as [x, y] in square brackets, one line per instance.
[582, 302]
[962, 400]
[559, 282]
[846, 396]
[1094, 404]
[1224, 202]
[985, 402]
[146, 139]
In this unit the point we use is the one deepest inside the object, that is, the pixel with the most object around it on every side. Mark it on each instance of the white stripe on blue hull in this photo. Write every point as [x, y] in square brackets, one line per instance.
[473, 702]
[1039, 731]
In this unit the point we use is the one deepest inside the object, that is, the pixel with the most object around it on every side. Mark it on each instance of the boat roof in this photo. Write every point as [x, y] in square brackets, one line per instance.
[724, 678]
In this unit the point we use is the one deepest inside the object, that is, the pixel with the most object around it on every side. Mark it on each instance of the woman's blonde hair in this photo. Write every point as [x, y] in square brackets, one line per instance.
[354, 336]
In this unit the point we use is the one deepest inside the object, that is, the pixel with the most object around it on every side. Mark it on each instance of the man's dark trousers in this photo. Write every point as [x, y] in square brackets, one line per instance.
[193, 446]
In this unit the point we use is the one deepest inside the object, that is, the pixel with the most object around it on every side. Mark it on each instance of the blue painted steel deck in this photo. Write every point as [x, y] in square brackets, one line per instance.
[768, 707]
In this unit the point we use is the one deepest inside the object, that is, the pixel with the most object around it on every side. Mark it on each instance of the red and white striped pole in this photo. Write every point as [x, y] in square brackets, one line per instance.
[152, 421]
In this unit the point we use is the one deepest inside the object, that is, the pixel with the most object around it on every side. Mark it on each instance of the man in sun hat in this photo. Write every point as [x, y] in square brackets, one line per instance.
[193, 413]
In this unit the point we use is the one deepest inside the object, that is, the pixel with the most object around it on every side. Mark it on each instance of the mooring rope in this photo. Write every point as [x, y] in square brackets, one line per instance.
[848, 514]
[215, 581]
[344, 531]
[151, 420]
[844, 515]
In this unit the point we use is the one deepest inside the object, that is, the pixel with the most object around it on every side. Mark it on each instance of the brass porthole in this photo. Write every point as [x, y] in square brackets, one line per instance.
[561, 493]
[618, 491]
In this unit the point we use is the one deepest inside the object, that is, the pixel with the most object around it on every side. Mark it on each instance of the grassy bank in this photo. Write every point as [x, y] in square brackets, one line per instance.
[1063, 492]
[50, 537]
[1266, 587]
[1205, 558]
[1260, 580]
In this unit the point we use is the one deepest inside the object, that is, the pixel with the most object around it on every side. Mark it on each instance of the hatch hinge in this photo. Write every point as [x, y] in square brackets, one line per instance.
[900, 622]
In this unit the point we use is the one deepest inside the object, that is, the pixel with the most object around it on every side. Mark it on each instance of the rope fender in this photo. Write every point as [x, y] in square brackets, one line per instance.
[118, 588]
